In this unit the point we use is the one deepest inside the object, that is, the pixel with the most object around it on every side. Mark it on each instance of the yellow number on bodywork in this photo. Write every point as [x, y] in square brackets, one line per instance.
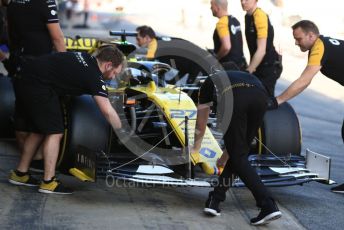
[81, 44]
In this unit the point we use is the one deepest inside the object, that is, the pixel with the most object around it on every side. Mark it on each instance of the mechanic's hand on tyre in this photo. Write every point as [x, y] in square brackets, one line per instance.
[272, 103]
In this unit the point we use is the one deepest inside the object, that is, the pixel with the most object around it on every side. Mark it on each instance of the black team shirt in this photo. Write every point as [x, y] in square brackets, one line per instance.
[67, 73]
[215, 87]
[27, 25]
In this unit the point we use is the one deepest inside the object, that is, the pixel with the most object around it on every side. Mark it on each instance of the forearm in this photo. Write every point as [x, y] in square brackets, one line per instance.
[108, 111]
[293, 90]
[113, 118]
[299, 84]
[255, 61]
[59, 44]
[258, 56]
[57, 36]
[199, 134]
[223, 51]
[201, 125]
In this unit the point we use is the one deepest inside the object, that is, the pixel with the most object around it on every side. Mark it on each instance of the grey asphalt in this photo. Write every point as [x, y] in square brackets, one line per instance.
[98, 206]
[119, 205]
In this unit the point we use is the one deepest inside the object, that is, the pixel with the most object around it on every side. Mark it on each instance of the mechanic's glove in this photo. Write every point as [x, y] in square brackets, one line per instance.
[272, 103]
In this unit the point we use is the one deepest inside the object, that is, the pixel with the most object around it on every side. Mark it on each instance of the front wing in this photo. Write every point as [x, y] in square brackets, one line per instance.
[274, 172]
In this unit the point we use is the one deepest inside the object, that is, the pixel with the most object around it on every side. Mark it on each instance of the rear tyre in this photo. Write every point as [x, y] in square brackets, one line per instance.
[281, 131]
[86, 126]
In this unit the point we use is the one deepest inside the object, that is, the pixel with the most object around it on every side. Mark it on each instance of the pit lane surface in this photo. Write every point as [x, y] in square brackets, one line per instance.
[99, 206]
[311, 206]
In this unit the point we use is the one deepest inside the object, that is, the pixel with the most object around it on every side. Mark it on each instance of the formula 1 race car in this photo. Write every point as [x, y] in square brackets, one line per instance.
[159, 121]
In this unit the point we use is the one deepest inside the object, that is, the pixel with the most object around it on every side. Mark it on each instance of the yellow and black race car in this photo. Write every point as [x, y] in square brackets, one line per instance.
[157, 106]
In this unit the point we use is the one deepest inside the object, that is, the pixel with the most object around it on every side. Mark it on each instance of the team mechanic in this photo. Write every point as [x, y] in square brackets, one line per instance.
[326, 55]
[227, 37]
[33, 30]
[265, 62]
[41, 83]
[249, 106]
[154, 48]
[146, 39]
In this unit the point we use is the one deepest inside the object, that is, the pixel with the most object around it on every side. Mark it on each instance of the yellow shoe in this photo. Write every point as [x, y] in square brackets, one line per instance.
[26, 179]
[54, 186]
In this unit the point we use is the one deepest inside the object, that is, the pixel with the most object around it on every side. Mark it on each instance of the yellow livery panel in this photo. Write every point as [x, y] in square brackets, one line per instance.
[176, 105]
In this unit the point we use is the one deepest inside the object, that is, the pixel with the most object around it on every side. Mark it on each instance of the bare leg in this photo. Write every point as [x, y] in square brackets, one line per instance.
[31, 144]
[21, 137]
[39, 153]
[51, 148]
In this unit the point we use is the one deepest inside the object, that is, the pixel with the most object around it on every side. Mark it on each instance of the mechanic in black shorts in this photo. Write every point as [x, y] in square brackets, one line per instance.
[242, 102]
[227, 37]
[265, 62]
[38, 88]
[326, 55]
[33, 30]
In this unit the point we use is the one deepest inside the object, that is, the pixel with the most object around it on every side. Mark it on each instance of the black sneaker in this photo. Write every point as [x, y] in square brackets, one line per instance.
[54, 186]
[37, 166]
[338, 189]
[212, 206]
[18, 178]
[268, 213]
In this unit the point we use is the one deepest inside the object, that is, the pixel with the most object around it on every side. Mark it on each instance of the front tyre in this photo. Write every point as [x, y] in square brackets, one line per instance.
[281, 131]
[86, 126]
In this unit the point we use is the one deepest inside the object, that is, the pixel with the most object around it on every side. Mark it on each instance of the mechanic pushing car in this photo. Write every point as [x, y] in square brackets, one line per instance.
[326, 55]
[38, 88]
[146, 39]
[265, 62]
[245, 94]
[228, 44]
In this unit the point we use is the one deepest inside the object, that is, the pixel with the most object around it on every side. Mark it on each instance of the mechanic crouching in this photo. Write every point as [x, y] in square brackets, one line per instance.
[242, 101]
[38, 88]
